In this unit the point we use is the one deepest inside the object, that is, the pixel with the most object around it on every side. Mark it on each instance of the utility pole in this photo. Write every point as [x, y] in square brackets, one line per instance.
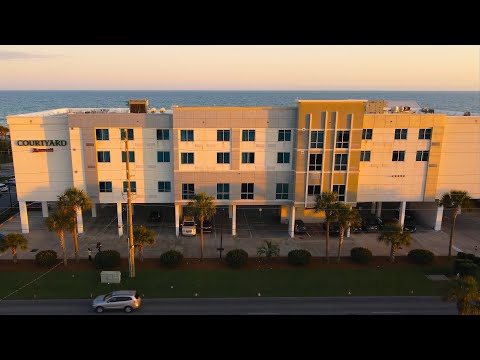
[131, 249]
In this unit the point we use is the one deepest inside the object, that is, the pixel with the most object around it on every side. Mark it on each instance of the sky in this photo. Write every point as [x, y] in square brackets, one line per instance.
[240, 67]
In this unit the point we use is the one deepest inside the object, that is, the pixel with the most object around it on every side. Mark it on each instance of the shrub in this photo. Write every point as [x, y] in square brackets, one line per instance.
[467, 269]
[361, 255]
[236, 258]
[476, 260]
[299, 257]
[470, 257]
[107, 259]
[461, 255]
[460, 262]
[171, 258]
[46, 258]
[420, 256]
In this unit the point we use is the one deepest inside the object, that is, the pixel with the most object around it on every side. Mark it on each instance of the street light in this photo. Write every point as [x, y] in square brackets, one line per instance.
[220, 249]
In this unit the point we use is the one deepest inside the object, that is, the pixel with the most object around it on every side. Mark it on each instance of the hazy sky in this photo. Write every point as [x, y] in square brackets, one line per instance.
[240, 67]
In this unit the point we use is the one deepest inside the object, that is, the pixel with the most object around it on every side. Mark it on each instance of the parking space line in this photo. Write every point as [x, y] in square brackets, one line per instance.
[308, 234]
[245, 216]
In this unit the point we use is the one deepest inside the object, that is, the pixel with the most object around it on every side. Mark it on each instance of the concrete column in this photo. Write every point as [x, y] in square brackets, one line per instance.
[403, 206]
[348, 232]
[79, 221]
[229, 211]
[44, 209]
[234, 220]
[119, 219]
[177, 220]
[284, 213]
[291, 222]
[372, 210]
[94, 210]
[438, 220]
[133, 209]
[24, 217]
[379, 209]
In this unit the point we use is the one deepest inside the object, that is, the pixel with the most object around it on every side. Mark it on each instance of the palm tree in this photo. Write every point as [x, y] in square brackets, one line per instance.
[325, 202]
[70, 201]
[270, 249]
[4, 130]
[456, 200]
[13, 241]
[202, 208]
[346, 217]
[465, 293]
[141, 237]
[393, 235]
[58, 222]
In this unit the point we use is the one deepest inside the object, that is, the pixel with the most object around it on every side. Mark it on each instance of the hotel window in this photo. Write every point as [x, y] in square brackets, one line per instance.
[103, 156]
[129, 132]
[364, 155]
[398, 156]
[223, 191]
[341, 161]
[163, 156]
[422, 155]
[313, 190]
[343, 138]
[284, 135]
[247, 191]
[248, 135]
[187, 158]
[163, 134]
[282, 191]
[186, 135]
[315, 163]
[283, 158]
[340, 190]
[223, 135]
[131, 156]
[401, 134]
[425, 134]
[248, 158]
[188, 190]
[164, 186]
[133, 186]
[223, 158]
[102, 134]
[316, 140]
[367, 134]
[105, 186]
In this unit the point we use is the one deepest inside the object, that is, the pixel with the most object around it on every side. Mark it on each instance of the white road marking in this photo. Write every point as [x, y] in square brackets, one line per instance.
[265, 313]
[456, 249]
[245, 216]
[307, 233]
[385, 312]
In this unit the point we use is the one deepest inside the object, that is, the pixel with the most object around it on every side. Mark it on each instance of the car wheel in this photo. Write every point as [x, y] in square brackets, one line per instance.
[99, 309]
[128, 309]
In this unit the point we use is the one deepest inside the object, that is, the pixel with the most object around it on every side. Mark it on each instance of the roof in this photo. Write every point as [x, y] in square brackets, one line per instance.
[412, 104]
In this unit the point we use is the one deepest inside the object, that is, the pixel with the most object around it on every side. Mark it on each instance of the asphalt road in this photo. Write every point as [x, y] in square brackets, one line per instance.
[5, 198]
[246, 306]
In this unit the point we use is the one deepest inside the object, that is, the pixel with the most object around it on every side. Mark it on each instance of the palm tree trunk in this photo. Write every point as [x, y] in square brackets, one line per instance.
[454, 220]
[61, 234]
[14, 253]
[201, 237]
[392, 253]
[141, 251]
[340, 242]
[327, 241]
[75, 239]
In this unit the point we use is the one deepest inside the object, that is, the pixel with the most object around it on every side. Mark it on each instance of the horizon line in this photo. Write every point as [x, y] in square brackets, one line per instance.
[316, 90]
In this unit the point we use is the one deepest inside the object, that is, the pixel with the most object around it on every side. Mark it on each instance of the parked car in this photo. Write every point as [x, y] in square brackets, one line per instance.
[334, 228]
[189, 226]
[34, 205]
[12, 181]
[300, 227]
[126, 300]
[410, 224]
[207, 226]
[372, 224]
[4, 187]
[155, 216]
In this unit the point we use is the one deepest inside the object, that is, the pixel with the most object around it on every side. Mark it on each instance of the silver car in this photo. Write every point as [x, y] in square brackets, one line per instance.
[126, 300]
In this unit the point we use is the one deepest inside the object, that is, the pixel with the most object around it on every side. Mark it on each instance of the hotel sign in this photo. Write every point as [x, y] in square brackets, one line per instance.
[41, 142]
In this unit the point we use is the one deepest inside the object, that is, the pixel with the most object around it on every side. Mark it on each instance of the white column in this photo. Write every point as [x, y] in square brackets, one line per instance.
[229, 211]
[94, 210]
[234, 220]
[403, 206]
[119, 219]
[438, 220]
[177, 220]
[291, 222]
[372, 210]
[24, 217]
[379, 209]
[44, 209]
[348, 232]
[79, 221]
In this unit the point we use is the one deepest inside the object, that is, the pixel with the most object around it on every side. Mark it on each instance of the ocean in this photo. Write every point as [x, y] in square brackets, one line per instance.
[19, 102]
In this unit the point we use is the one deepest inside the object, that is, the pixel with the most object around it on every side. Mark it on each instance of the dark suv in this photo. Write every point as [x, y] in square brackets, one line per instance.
[334, 228]
[372, 224]
[300, 227]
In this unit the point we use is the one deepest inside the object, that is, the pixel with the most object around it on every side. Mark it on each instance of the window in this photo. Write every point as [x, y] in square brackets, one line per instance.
[313, 190]
[163, 156]
[422, 155]
[364, 155]
[223, 135]
[340, 190]
[248, 158]
[316, 140]
[248, 135]
[186, 135]
[133, 186]
[187, 158]
[343, 138]
[247, 191]
[284, 135]
[398, 156]
[401, 134]
[129, 132]
[282, 191]
[283, 158]
[425, 134]
[315, 163]
[341, 161]
[105, 186]
[164, 186]
[223, 158]
[102, 134]
[131, 156]
[367, 134]
[103, 156]
[188, 190]
[223, 191]
[163, 134]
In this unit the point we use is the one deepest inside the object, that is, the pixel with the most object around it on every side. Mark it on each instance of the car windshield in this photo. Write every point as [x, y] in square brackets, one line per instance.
[188, 223]
[107, 297]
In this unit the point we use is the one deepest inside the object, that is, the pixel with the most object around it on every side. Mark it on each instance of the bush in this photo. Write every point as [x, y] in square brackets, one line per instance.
[107, 259]
[470, 257]
[467, 269]
[361, 255]
[476, 260]
[420, 256]
[46, 258]
[461, 255]
[171, 258]
[459, 263]
[236, 258]
[299, 257]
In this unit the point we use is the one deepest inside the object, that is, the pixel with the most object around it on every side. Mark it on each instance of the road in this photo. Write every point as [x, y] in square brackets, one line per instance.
[414, 305]
[5, 198]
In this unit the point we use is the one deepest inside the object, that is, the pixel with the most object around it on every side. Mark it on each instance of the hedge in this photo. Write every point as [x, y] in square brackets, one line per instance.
[107, 259]
[361, 255]
[46, 258]
[171, 258]
[299, 257]
[420, 256]
[236, 258]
